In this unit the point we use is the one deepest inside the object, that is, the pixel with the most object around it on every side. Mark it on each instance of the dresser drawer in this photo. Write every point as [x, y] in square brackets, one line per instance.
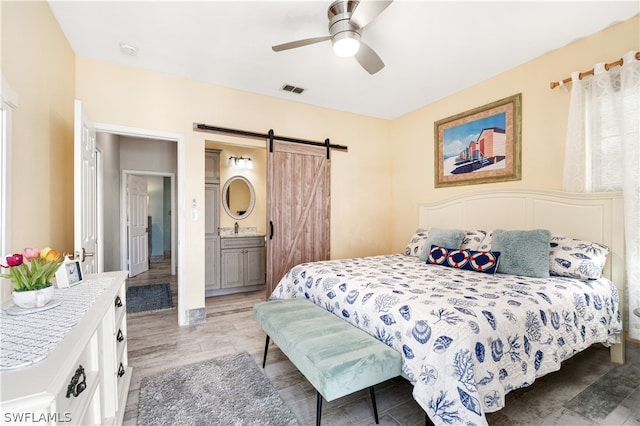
[79, 398]
[241, 242]
[120, 306]
[121, 344]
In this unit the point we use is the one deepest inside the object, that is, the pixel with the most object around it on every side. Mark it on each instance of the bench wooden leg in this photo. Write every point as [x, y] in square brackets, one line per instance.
[266, 348]
[373, 401]
[318, 408]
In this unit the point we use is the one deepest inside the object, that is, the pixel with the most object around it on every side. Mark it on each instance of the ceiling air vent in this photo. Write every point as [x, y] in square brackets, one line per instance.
[293, 89]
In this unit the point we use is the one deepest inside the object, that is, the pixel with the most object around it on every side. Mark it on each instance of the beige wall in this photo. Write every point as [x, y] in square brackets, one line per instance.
[39, 65]
[360, 178]
[544, 118]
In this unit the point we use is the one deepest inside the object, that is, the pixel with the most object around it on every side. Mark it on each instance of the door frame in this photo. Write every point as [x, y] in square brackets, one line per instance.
[181, 219]
[100, 210]
[123, 215]
[9, 101]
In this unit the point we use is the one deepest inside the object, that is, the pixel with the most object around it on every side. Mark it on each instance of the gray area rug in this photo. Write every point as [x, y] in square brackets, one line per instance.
[600, 398]
[231, 390]
[150, 297]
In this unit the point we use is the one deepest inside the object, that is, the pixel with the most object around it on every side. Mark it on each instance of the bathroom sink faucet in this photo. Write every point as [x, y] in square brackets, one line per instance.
[235, 228]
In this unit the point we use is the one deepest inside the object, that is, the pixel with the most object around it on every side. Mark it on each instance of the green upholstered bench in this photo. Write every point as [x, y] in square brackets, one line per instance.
[335, 357]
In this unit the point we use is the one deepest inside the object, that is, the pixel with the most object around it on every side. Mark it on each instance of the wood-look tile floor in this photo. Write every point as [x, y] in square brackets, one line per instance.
[157, 343]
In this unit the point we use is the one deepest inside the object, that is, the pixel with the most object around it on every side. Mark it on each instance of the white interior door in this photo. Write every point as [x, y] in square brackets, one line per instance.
[137, 212]
[85, 190]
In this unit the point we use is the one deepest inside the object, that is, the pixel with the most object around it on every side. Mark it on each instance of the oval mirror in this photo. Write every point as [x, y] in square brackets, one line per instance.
[238, 197]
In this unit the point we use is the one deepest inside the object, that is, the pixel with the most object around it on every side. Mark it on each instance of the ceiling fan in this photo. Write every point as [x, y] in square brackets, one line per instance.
[347, 18]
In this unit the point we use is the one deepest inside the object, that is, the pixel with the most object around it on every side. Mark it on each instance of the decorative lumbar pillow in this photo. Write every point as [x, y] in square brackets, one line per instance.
[574, 258]
[443, 238]
[523, 252]
[414, 248]
[473, 239]
[470, 260]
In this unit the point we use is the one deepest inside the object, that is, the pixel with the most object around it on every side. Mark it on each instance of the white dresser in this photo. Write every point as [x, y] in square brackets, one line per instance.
[83, 342]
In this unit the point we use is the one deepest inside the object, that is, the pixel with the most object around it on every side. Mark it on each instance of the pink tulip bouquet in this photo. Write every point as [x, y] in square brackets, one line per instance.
[33, 269]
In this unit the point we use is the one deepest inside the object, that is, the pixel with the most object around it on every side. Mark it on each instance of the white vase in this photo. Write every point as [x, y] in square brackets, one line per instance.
[33, 298]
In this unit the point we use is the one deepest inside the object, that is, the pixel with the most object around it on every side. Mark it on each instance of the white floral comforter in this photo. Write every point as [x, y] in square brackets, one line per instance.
[466, 338]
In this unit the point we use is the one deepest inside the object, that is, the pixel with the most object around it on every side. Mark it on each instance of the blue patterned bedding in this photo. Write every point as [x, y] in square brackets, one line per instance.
[466, 338]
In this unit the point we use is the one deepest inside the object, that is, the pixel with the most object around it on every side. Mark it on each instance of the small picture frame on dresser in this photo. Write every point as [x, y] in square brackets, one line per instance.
[69, 273]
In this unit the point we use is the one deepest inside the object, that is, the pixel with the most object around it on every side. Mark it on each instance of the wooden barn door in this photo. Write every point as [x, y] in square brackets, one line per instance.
[298, 208]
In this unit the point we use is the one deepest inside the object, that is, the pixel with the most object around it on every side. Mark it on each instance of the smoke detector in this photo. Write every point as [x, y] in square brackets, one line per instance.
[128, 49]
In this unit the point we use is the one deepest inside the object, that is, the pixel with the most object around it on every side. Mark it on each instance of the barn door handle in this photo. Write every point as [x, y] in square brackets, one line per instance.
[271, 232]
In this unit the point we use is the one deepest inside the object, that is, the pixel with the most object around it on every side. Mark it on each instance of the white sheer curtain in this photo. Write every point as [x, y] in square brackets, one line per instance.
[603, 154]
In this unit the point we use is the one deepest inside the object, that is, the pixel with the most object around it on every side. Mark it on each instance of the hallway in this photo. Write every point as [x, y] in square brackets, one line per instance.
[159, 272]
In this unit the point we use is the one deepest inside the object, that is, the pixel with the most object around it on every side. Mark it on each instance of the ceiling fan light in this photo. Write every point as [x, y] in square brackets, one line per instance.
[346, 47]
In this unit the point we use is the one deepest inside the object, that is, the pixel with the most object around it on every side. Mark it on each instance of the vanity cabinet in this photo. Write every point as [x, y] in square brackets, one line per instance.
[211, 238]
[84, 378]
[212, 166]
[211, 220]
[212, 264]
[243, 264]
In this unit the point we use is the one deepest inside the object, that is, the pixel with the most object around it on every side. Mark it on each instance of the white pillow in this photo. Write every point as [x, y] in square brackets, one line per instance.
[416, 243]
[569, 257]
[486, 242]
[473, 239]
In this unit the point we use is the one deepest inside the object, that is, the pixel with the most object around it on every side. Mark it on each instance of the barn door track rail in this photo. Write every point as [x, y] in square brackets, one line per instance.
[270, 136]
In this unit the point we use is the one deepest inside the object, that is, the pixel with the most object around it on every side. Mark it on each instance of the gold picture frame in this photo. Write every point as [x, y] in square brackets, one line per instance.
[482, 145]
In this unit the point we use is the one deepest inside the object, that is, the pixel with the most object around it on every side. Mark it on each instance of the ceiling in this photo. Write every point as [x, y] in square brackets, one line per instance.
[431, 48]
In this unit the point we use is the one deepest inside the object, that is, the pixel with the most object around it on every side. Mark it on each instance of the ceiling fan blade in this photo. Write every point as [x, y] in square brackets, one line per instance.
[367, 11]
[299, 43]
[369, 59]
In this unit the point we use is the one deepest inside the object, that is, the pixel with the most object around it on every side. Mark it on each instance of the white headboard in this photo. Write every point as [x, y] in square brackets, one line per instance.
[596, 217]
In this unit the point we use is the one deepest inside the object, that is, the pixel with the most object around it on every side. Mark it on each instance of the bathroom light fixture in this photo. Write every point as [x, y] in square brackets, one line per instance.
[240, 162]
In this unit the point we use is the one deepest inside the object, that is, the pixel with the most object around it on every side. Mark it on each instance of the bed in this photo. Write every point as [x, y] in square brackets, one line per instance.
[468, 338]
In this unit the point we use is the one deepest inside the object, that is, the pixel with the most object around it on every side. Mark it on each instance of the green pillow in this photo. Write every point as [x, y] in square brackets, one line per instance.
[442, 238]
[523, 252]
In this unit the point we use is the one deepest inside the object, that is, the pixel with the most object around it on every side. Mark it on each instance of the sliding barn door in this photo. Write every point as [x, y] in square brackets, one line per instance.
[298, 208]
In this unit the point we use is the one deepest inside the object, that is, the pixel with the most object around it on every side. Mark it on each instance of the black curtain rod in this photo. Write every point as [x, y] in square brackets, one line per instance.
[269, 136]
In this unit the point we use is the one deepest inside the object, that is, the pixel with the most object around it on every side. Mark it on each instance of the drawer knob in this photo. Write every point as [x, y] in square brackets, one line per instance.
[78, 383]
[121, 370]
[120, 336]
[118, 302]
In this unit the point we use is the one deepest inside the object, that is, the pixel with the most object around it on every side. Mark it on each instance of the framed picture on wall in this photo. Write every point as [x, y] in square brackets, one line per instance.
[481, 145]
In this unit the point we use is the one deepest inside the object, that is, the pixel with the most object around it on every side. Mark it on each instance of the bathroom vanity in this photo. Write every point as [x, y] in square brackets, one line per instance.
[242, 260]
[235, 257]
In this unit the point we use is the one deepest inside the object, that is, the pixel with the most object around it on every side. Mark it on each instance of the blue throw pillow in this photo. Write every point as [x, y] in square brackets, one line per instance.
[470, 260]
[443, 238]
[524, 253]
